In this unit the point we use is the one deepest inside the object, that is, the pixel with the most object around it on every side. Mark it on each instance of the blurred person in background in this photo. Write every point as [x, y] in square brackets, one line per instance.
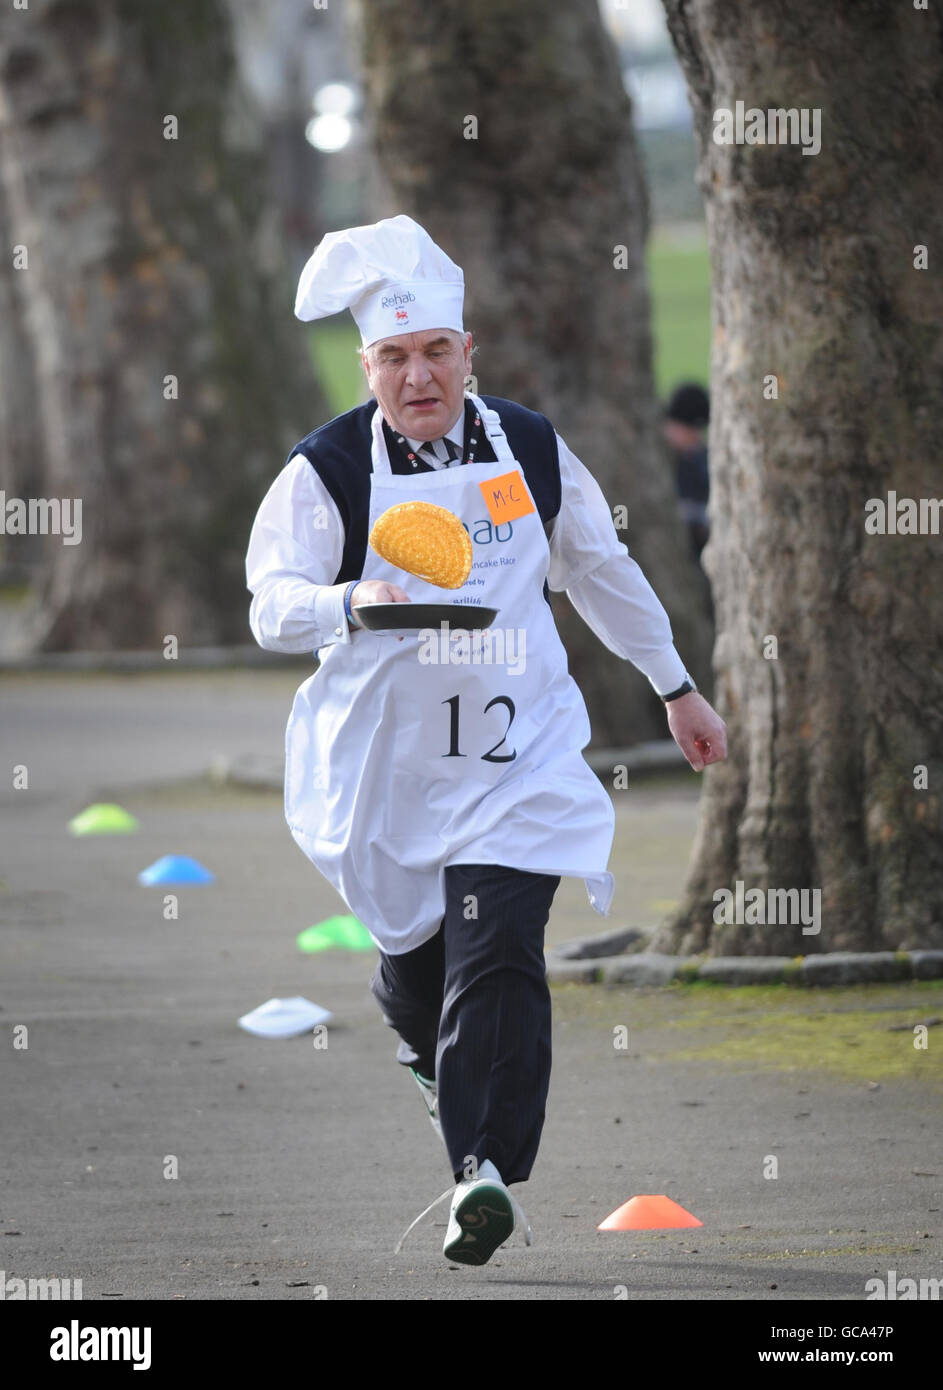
[684, 427]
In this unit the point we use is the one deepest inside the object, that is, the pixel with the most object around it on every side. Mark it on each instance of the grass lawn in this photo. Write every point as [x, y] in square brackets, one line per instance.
[679, 280]
[863, 1033]
[333, 343]
[679, 277]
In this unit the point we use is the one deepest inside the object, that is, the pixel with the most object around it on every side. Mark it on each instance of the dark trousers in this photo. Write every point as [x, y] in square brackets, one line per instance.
[472, 1007]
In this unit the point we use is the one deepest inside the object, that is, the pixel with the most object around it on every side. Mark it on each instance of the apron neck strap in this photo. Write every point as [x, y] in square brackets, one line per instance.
[491, 422]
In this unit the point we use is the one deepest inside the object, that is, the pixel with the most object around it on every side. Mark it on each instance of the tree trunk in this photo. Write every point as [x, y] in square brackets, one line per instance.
[814, 283]
[145, 265]
[534, 207]
[19, 431]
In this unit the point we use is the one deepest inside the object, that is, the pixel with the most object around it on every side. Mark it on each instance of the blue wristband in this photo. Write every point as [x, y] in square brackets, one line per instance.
[347, 595]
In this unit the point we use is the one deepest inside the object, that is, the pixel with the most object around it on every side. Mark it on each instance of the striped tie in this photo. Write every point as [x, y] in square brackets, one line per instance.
[431, 452]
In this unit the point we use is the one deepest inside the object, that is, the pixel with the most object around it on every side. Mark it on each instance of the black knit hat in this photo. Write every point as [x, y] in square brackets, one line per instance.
[689, 404]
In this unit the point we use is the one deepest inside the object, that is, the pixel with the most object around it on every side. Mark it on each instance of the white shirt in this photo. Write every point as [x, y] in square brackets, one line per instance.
[297, 544]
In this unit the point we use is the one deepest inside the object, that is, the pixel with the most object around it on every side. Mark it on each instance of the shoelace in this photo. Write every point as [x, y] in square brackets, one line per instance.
[519, 1218]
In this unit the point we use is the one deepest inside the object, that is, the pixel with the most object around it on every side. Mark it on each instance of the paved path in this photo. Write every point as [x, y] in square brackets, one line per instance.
[300, 1167]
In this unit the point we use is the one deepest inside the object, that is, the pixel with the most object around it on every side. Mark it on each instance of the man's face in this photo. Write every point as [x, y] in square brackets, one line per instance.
[419, 379]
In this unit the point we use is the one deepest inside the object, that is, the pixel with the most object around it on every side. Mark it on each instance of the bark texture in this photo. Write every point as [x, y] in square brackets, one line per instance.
[814, 281]
[19, 476]
[144, 263]
[533, 207]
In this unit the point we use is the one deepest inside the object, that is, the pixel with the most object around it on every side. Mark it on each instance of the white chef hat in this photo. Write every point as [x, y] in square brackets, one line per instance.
[391, 276]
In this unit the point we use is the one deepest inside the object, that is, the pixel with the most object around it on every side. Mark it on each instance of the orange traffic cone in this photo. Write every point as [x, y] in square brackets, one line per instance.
[648, 1214]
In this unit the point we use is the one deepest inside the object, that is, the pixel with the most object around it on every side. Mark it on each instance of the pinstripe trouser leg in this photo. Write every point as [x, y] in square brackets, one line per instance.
[472, 1008]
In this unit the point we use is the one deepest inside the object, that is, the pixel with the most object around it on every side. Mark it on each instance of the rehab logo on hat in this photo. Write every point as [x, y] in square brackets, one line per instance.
[393, 300]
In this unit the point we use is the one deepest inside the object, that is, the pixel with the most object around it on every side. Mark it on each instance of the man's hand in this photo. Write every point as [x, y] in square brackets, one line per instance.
[698, 731]
[378, 591]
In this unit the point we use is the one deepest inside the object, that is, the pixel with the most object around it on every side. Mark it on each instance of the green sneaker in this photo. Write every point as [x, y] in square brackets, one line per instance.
[482, 1217]
[431, 1101]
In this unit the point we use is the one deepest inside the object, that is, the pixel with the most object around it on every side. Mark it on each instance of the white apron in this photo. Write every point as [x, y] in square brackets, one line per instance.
[398, 765]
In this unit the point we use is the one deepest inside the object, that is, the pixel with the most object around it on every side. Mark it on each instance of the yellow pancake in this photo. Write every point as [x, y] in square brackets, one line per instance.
[427, 541]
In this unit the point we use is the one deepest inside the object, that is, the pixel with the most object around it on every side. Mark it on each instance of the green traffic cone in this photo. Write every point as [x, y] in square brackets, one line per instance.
[346, 933]
[103, 818]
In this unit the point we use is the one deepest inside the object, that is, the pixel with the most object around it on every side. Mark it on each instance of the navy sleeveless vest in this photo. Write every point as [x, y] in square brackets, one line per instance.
[339, 451]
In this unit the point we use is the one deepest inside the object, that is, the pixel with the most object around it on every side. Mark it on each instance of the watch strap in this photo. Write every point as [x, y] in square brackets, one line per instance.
[686, 688]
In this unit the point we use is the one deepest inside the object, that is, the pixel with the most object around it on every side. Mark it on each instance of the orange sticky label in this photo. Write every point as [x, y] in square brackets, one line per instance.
[506, 497]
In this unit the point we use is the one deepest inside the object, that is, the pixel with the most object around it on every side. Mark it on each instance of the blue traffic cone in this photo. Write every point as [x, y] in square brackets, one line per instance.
[175, 868]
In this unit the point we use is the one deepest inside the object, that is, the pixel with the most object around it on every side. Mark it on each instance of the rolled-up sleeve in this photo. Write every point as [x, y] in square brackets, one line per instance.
[602, 581]
[295, 550]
